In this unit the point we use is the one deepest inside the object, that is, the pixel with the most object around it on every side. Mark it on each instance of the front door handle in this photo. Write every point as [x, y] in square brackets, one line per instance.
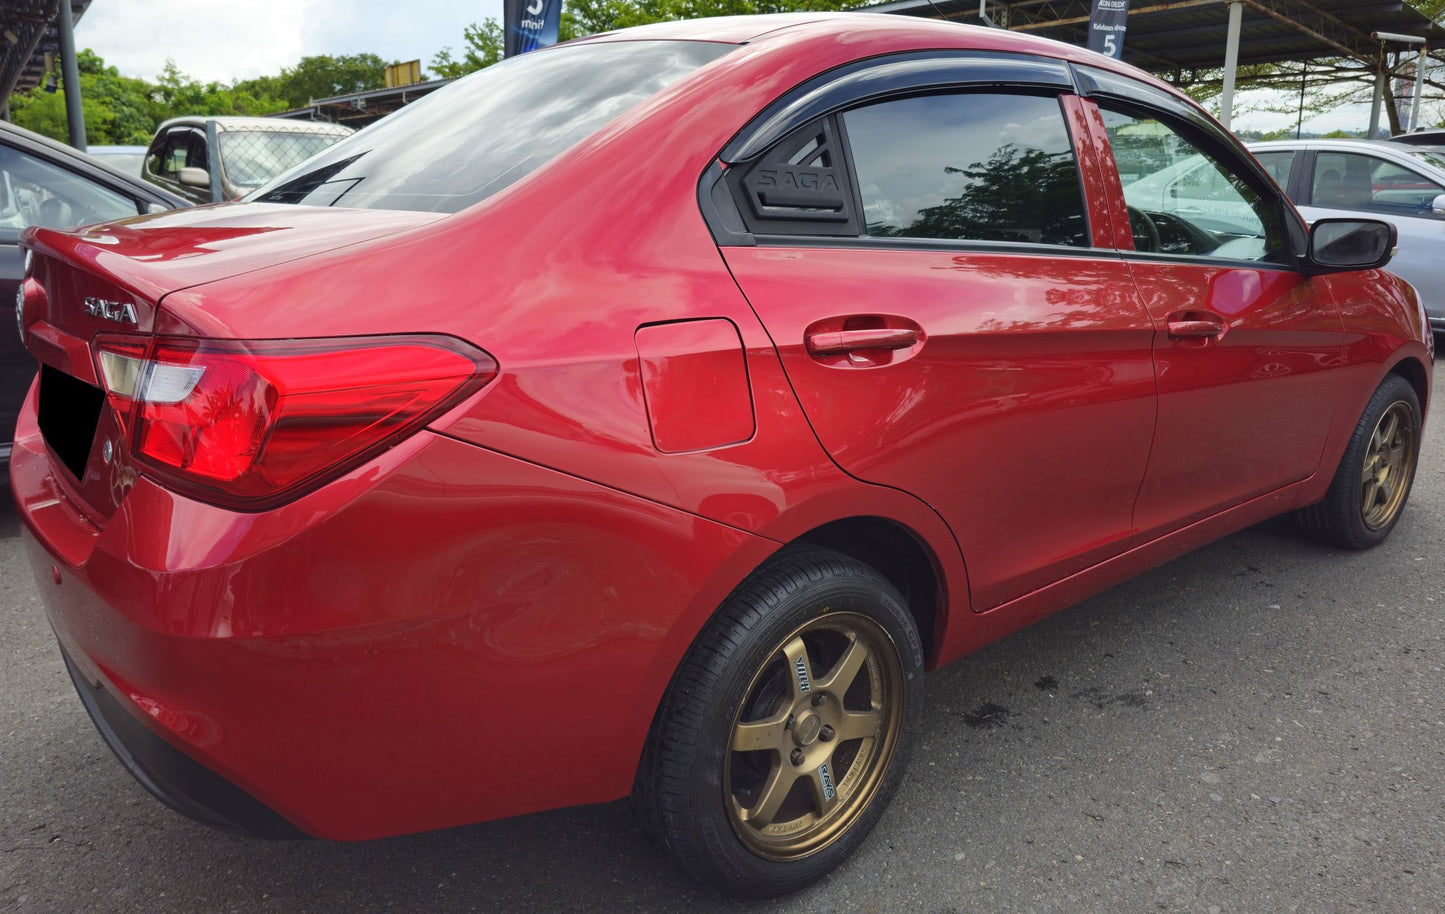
[1187, 325]
[837, 342]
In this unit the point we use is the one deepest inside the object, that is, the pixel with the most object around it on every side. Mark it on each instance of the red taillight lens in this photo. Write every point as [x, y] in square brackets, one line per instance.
[253, 424]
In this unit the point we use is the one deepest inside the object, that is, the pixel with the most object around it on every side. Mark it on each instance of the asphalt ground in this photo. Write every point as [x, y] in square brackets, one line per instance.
[1256, 727]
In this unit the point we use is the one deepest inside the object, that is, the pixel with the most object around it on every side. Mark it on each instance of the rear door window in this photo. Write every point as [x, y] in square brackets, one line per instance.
[968, 167]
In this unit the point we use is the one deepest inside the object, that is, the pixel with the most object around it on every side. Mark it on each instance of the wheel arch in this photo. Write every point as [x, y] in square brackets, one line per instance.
[889, 528]
[1413, 370]
[901, 556]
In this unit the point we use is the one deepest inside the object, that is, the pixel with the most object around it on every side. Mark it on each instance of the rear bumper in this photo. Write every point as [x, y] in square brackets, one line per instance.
[173, 777]
[445, 635]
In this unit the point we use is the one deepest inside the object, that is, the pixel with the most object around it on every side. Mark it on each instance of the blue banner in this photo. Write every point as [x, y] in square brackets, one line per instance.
[530, 24]
[1106, 27]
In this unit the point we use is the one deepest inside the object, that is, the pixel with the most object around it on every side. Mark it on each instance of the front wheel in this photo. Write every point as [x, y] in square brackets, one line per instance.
[1368, 493]
[787, 727]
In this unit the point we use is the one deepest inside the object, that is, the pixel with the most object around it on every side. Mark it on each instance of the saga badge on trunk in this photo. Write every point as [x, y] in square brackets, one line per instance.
[120, 312]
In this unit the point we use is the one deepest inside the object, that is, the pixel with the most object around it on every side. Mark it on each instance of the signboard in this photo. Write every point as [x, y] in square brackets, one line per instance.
[403, 74]
[1106, 27]
[530, 24]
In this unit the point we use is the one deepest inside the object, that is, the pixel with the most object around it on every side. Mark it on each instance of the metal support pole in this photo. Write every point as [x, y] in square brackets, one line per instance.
[1378, 98]
[1303, 79]
[1231, 63]
[1419, 89]
[65, 23]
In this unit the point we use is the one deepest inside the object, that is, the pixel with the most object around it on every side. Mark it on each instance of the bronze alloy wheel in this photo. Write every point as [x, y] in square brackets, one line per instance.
[1371, 484]
[814, 735]
[1389, 466]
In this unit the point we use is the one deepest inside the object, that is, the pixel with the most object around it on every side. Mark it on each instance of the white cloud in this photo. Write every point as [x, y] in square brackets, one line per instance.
[223, 40]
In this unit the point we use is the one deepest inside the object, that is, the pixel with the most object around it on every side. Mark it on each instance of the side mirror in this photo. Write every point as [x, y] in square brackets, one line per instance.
[1351, 244]
[194, 177]
[1437, 206]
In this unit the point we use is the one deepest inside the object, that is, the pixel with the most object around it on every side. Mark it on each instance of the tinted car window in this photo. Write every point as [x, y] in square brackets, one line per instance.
[468, 141]
[1183, 198]
[182, 148]
[1278, 164]
[1347, 180]
[35, 192]
[970, 167]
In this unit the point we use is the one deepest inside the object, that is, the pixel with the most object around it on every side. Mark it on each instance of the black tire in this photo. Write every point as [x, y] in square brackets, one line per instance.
[1352, 515]
[688, 791]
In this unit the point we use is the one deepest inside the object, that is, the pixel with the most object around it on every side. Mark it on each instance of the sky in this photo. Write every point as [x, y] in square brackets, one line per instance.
[226, 40]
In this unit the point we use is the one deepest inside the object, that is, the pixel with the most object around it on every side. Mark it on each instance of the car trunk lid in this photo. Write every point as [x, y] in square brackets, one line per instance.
[107, 283]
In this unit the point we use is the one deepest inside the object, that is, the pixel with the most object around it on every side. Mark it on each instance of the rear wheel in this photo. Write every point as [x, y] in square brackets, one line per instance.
[786, 729]
[1373, 481]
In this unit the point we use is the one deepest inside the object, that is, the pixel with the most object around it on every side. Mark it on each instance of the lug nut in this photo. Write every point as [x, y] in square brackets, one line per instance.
[819, 700]
[797, 757]
[825, 734]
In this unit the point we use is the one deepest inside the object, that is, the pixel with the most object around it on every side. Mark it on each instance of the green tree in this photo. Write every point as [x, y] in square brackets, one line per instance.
[325, 76]
[484, 46]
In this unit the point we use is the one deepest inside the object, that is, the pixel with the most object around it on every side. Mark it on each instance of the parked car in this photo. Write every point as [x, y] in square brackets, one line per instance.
[1428, 137]
[43, 182]
[1385, 180]
[210, 159]
[126, 159]
[645, 415]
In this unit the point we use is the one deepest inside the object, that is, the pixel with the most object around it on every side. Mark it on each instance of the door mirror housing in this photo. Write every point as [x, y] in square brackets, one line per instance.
[194, 177]
[1337, 245]
[1437, 206]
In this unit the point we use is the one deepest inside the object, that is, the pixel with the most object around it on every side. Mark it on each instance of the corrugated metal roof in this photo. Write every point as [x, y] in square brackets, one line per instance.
[27, 36]
[1169, 35]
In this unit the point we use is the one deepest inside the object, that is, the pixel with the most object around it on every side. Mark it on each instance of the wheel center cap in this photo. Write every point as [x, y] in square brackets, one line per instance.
[806, 730]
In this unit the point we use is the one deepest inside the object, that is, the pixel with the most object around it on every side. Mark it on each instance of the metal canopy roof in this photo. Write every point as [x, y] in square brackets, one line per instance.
[357, 109]
[31, 25]
[1167, 36]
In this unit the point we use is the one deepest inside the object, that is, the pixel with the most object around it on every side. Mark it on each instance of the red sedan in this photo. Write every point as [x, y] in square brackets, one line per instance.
[645, 415]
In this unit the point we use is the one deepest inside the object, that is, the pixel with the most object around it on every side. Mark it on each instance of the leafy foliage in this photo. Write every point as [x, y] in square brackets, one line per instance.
[125, 110]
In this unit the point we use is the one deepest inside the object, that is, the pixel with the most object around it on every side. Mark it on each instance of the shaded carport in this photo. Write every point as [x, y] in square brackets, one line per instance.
[36, 39]
[1180, 40]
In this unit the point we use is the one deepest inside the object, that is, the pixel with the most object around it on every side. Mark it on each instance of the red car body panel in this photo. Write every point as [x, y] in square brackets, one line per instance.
[428, 639]
[1019, 353]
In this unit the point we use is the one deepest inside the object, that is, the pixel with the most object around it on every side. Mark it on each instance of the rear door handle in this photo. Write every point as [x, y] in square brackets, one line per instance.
[1195, 325]
[837, 342]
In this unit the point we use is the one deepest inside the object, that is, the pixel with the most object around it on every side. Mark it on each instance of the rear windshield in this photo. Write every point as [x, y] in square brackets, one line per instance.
[253, 157]
[483, 133]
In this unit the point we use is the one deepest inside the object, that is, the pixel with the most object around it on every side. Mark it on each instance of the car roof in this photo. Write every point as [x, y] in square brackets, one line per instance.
[229, 122]
[93, 168]
[1401, 153]
[808, 28]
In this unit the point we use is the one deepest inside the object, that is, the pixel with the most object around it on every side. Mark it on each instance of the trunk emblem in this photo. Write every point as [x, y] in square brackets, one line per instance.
[120, 312]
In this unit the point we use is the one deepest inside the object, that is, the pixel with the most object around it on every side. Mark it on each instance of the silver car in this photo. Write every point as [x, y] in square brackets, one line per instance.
[1393, 181]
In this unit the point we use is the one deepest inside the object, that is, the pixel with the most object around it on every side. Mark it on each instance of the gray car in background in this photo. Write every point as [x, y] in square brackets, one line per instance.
[210, 159]
[1404, 184]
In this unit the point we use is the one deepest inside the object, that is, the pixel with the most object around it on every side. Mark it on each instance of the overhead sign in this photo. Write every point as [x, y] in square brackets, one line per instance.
[530, 24]
[1106, 27]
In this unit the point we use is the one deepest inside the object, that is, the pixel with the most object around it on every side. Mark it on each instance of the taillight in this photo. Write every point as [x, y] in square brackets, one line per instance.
[254, 424]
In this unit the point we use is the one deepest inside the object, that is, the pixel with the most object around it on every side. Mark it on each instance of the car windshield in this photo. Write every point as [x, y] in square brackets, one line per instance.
[468, 141]
[253, 157]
